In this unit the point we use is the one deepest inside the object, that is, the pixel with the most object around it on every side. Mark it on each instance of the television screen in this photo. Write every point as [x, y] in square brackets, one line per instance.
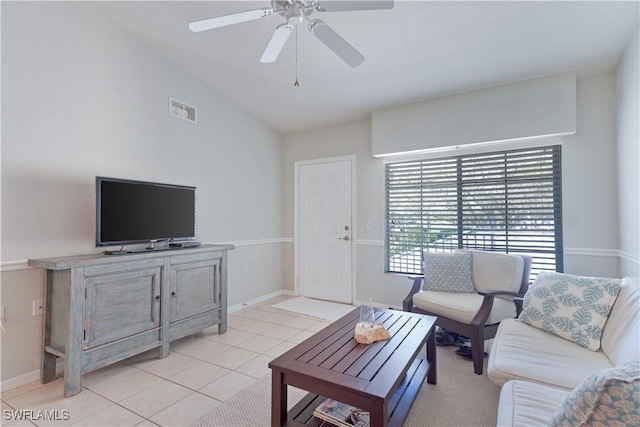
[139, 212]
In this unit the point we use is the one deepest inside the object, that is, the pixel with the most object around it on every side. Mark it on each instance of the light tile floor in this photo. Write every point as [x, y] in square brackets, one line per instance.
[200, 373]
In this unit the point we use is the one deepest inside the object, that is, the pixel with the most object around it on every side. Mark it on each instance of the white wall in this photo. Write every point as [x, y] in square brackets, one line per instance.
[589, 175]
[80, 98]
[352, 138]
[628, 135]
[589, 185]
[349, 139]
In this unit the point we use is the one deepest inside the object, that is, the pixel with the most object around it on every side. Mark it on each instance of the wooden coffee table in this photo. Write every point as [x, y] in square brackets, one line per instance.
[382, 378]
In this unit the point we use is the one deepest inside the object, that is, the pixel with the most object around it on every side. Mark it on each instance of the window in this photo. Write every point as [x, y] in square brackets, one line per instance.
[508, 201]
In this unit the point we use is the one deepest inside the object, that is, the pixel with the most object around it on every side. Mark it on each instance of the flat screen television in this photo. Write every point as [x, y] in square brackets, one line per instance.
[130, 212]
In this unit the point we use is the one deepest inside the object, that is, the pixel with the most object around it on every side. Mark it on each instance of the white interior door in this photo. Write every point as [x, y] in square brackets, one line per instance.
[325, 238]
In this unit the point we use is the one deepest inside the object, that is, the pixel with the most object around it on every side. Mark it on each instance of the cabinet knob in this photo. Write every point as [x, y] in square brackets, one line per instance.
[173, 294]
[157, 297]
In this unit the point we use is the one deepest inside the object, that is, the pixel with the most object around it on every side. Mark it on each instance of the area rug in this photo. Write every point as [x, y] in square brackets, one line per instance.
[317, 308]
[460, 398]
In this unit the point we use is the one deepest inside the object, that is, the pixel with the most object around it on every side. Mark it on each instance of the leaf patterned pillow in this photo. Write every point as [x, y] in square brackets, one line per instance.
[572, 307]
[448, 272]
[606, 398]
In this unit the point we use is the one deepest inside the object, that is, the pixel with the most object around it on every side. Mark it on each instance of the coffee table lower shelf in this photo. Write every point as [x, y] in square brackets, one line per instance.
[399, 405]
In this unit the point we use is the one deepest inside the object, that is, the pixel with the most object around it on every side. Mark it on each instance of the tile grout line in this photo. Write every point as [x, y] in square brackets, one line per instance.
[291, 316]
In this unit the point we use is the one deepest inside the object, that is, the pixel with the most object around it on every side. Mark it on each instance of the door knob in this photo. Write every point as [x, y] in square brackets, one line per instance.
[343, 238]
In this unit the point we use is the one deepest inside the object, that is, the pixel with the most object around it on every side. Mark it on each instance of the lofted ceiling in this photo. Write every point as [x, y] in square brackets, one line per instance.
[415, 51]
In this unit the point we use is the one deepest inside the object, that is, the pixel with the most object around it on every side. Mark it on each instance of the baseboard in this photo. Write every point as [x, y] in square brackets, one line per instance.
[258, 300]
[29, 377]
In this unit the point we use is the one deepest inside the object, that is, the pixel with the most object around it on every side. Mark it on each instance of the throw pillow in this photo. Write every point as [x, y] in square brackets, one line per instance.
[606, 398]
[448, 272]
[572, 307]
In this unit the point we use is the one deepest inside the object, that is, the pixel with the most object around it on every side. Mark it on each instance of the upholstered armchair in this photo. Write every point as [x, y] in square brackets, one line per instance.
[470, 292]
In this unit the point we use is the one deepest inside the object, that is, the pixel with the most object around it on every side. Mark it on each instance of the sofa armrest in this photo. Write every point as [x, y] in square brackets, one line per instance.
[407, 303]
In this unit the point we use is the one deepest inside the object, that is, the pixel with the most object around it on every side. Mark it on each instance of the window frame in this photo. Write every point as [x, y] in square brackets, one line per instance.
[548, 178]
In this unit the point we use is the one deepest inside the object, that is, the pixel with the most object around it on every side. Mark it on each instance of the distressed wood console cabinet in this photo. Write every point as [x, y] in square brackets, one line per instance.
[99, 309]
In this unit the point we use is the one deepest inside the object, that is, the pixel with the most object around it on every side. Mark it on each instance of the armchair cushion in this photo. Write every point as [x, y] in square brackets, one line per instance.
[496, 271]
[448, 272]
[572, 307]
[462, 307]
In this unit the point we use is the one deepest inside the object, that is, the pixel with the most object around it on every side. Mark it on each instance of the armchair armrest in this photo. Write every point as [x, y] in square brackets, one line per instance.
[498, 293]
[407, 303]
[487, 304]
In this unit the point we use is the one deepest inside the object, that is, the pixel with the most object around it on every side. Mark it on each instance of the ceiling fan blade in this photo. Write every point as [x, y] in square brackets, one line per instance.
[235, 18]
[279, 38]
[337, 44]
[349, 5]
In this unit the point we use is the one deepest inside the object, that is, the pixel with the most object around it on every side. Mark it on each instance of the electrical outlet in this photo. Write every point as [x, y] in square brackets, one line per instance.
[245, 267]
[37, 308]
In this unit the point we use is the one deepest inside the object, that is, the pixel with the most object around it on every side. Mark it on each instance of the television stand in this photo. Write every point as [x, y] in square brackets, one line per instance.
[101, 309]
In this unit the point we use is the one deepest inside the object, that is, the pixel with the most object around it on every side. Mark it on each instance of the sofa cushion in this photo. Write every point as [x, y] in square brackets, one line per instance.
[462, 307]
[527, 404]
[610, 397]
[572, 307]
[522, 352]
[621, 335]
[496, 271]
[448, 272]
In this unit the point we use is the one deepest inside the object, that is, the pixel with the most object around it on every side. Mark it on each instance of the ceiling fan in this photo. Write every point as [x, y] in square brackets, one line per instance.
[296, 11]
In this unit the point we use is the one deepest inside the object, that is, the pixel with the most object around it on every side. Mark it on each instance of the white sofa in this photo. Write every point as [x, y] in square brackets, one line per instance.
[537, 369]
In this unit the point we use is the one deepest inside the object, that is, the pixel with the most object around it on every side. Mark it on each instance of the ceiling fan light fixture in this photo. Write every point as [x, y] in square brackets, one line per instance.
[295, 12]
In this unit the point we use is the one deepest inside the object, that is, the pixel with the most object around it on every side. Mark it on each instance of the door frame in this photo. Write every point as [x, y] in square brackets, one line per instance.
[296, 242]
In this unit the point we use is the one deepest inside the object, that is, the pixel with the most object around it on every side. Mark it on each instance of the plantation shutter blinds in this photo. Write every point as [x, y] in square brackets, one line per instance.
[508, 201]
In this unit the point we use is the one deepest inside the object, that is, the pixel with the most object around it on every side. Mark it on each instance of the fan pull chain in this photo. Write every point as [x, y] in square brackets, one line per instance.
[296, 84]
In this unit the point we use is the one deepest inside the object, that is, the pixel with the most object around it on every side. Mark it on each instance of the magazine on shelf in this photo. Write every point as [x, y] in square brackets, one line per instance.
[341, 414]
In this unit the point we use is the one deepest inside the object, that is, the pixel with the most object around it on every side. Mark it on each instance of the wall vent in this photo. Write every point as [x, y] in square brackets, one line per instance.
[181, 110]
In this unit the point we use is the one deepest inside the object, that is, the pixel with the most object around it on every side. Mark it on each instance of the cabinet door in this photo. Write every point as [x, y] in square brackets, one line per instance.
[121, 304]
[195, 288]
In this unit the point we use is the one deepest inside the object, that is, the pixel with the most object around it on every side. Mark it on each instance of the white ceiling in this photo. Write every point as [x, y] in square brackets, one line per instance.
[417, 50]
